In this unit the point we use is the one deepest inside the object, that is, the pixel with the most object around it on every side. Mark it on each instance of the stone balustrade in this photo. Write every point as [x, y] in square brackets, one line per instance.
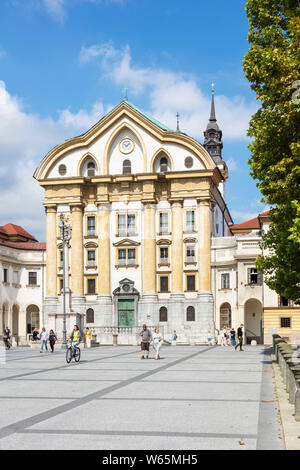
[288, 359]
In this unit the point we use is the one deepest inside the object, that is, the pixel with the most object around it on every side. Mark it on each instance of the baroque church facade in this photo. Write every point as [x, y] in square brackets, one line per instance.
[144, 203]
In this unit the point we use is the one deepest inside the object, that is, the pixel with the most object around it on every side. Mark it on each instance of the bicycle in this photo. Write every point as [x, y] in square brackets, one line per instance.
[7, 343]
[73, 353]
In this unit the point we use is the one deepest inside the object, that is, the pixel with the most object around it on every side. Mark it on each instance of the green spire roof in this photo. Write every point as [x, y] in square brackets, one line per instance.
[157, 123]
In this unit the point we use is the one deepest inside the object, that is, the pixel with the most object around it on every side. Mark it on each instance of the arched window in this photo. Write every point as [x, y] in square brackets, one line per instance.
[190, 314]
[225, 315]
[91, 169]
[127, 167]
[163, 164]
[163, 314]
[90, 316]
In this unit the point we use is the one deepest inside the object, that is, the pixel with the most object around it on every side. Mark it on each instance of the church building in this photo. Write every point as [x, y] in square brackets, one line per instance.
[143, 202]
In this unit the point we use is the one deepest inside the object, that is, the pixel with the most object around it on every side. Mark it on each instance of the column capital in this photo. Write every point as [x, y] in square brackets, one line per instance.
[204, 202]
[76, 208]
[176, 203]
[50, 209]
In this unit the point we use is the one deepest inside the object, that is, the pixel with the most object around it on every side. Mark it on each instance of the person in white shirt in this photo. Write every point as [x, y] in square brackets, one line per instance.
[224, 336]
[44, 338]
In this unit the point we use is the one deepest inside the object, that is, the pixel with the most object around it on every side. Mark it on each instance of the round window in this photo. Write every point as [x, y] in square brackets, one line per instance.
[62, 170]
[189, 162]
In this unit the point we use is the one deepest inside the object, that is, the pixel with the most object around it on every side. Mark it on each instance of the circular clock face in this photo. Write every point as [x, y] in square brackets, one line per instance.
[126, 146]
[126, 287]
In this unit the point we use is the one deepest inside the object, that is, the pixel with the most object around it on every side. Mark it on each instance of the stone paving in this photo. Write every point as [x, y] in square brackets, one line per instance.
[193, 398]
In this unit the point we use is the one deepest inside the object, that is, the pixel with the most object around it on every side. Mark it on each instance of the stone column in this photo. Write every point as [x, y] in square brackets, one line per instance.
[204, 244]
[148, 311]
[205, 309]
[10, 320]
[51, 252]
[77, 251]
[22, 328]
[105, 314]
[149, 255]
[177, 248]
[77, 261]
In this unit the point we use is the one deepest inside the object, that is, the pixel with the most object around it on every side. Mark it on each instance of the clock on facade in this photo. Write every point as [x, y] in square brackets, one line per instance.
[126, 146]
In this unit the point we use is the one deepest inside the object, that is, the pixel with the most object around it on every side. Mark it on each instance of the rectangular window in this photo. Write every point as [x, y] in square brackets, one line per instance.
[61, 257]
[131, 224]
[32, 279]
[16, 277]
[5, 275]
[91, 226]
[164, 283]
[91, 286]
[284, 302]
[61, 286]
[122, 224]
[163, 222]
[285, 322]
[225, 281]
[131, 257]
[190, 221]
[190, 254]
[91, 257]
[122, 257]
[254, 276]
[191, 283]
[164, 255]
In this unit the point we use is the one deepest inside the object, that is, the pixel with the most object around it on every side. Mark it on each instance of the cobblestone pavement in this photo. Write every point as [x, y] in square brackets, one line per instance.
[193, 398]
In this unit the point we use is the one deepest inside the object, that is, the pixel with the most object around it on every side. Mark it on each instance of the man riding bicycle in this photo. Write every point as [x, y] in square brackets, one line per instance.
[6, 337]
[75, 338]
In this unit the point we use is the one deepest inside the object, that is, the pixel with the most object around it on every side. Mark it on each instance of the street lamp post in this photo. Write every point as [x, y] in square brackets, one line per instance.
[65, 235]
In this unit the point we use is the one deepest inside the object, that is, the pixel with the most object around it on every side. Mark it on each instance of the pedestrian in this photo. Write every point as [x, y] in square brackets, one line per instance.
[224, 336]
[43, 338]
[210, 338]
[232, 336]
[88, 337]
[52, 339]
[228, 337]
[240, 337]
[146, 340]
[6, 338]
[175, 336]
[35, 335]
[157, 342]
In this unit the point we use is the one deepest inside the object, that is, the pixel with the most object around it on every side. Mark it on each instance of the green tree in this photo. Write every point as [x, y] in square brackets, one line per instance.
[272, 66]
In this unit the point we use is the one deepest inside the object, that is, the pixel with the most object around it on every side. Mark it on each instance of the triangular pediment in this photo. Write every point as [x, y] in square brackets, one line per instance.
[126, 242]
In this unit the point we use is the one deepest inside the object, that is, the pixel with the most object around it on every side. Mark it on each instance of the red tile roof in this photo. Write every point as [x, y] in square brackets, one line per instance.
[13, 229]
[265, 213]
[248, 225]
[2, 230]
[24, 245]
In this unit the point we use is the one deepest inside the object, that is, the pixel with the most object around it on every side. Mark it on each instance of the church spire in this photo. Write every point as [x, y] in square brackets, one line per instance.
[213, 135]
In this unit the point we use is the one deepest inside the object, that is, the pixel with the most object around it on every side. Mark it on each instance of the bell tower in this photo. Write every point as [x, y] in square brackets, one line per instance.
[213, 141]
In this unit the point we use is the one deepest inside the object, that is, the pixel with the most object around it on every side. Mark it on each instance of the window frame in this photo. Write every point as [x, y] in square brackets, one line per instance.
[30, 277]
[285, 318]
[187, 275]
[225, 285]
[186, 223]
[88, 280]
[160, 277]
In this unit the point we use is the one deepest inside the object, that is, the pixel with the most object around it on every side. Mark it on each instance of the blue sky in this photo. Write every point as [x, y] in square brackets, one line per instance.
[64, 63]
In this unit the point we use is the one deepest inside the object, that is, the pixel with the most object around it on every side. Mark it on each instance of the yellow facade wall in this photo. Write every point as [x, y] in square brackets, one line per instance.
[272, 320]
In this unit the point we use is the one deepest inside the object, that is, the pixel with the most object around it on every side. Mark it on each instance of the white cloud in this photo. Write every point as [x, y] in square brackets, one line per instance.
[55, 8]
[171, 91]
[2, 52]
[24, 139]
[232, 164]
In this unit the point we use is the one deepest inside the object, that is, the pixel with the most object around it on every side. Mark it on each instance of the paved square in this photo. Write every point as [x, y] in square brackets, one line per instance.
[193, 398]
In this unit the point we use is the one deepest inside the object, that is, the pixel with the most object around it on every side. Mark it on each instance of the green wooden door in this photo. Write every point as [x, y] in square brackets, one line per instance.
[126, 316]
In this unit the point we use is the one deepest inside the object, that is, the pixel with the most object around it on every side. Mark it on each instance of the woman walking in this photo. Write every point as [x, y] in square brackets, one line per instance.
[43, 338]
[52, 340]
[157, 342]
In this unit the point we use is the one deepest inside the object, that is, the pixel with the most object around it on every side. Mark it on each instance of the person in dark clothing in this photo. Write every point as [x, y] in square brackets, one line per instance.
[52, 339]
[6, 337]
[240, 337]
[146, 340]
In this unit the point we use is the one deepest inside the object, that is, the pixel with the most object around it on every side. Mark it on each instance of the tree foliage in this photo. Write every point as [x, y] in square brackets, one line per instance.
[272, 65]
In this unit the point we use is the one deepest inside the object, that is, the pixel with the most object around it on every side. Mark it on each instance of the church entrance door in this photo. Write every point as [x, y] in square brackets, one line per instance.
[126, 313]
